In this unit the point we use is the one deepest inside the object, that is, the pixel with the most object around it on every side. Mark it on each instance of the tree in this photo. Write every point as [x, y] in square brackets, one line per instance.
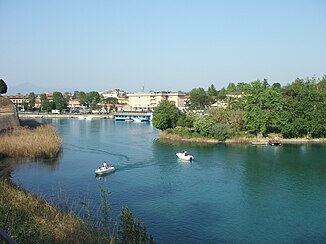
[31, 99]
[132, 231]
[44, 102]
[221, 94]
[59, 102]
[203, 125]
[264, 109]
[231, 87]
[212, 91]
[3, 87]
[166, 115]
[93, 98]
[305, 109]
[82, 98]
[198, 98]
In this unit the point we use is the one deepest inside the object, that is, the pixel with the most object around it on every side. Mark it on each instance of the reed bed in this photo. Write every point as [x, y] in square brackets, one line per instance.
[42, 141]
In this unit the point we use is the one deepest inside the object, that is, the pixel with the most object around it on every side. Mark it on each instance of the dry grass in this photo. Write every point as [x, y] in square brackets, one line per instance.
[28, 219]
[42, 141]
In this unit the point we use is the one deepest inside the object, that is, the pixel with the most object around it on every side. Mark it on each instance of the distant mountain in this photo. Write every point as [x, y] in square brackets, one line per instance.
[25, 88]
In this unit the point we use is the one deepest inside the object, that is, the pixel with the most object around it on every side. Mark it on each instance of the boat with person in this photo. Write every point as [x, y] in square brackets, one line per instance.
[104, 169]
[185, 156]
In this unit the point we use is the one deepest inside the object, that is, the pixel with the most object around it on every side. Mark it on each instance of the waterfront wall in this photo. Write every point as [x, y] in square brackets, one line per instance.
[8, 115]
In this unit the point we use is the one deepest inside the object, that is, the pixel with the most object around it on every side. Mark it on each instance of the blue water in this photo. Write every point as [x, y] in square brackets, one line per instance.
[228, 194]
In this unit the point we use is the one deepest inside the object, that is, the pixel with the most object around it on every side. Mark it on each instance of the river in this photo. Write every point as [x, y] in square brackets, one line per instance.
[227, 194]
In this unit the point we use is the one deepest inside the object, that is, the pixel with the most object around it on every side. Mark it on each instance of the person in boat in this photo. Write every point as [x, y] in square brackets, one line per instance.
[105, 165]
[185, 153]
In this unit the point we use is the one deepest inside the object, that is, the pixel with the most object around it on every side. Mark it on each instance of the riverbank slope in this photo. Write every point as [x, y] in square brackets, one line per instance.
[239, 140]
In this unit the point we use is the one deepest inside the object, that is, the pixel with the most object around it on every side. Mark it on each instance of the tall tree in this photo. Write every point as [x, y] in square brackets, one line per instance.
[3, 87]
[44, 102]
[59, 102]
[93, 98]
[305, 109]
[231, 87]
[211, 91]
[82, 98]
[198, 98]
[166, 115]
[31, 99]
[264, 109]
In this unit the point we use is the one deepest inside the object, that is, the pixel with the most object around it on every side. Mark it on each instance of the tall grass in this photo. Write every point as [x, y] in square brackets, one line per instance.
[42, 141]
[28, 219]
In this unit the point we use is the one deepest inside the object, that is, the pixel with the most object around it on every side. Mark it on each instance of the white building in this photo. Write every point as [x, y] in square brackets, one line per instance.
[115, 93]
[147, 101]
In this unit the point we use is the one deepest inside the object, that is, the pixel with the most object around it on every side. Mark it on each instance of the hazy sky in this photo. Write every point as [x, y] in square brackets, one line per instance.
[165, 45]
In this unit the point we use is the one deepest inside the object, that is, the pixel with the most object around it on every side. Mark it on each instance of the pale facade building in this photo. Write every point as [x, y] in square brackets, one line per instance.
[149, 100]
[115, 93]
[18, 100]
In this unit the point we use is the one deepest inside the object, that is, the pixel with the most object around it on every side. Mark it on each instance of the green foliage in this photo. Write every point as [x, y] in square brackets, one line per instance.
[221, 94]
[198, 98]
[24, 105]
[212, 91]
[166, 115]
[219, 131]
[82, 98]
[187, 120]
[106, 209]
[111, 100]
[59, 102]
[264, 109]
[3, 87]
[132, 231]
[305, 105]
[203, 125]
[231, 87]
[31, 98]
[93, 98]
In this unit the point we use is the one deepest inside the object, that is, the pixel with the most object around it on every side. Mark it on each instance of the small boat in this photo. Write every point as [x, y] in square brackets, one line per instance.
[185, 157]
[104, 170]
[137, 120]
[275, 142]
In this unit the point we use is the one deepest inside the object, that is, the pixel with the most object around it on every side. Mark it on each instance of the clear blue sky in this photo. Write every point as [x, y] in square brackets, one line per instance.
[167, 45]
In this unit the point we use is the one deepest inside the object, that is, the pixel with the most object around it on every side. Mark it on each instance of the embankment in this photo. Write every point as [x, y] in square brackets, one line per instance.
[8, 115]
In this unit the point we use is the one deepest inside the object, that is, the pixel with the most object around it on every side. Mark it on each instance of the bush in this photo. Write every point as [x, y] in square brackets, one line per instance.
[219, 131]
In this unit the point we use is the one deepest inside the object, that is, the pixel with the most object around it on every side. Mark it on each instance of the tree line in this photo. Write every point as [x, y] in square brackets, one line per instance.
[59, 101]
[257, 108]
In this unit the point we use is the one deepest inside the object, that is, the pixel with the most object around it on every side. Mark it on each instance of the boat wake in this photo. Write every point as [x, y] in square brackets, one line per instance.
[121, 161]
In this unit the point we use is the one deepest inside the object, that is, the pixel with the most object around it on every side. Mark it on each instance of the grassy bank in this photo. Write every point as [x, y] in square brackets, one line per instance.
[170, 135]
[42, 141]
[28, 219]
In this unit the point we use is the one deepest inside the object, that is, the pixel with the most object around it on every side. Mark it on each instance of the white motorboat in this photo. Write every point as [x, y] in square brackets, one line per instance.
[104, 170]
[137, 120]
[184, 156]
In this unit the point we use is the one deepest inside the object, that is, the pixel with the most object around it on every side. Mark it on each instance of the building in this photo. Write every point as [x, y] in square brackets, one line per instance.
[38, 102]
[115, 93]
[147, 101]
[73, 104]
[19, 100]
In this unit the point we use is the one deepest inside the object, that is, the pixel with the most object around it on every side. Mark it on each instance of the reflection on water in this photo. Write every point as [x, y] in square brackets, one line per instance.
[229, 193]
[7, 165]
